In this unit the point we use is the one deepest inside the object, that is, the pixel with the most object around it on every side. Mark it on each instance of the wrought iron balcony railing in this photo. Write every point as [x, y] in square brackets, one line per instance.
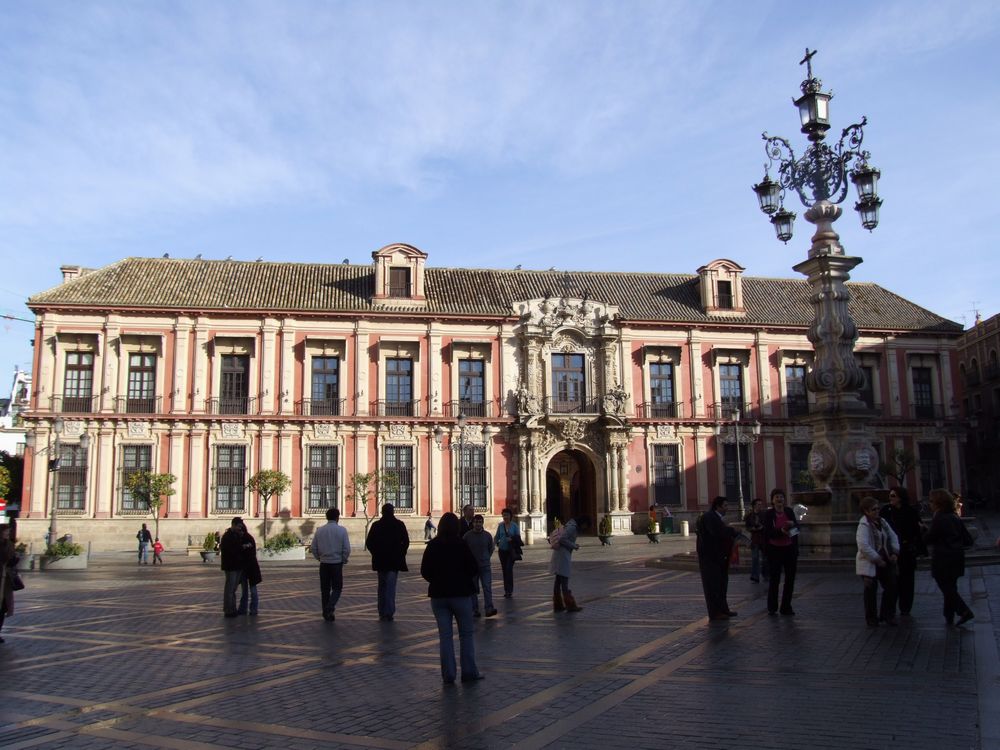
[133, 405]
[468, 408]
[74, 404]
[232, 405]
[320, 407]
[661, 410]
[582, 406]
[398, 408]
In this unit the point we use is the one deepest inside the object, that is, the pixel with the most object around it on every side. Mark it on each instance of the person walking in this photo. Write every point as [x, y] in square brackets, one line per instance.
[948, 538]
[878, 550]
[509, 544]
[781, 535]
[481, 543]
[429, 528]
[753, 522]
[560, 566]
[145, 539]
[387, 542]
[904, 519]
[8, 570]
[714, 544]
[448, 566]
[332, 547]
[231, 552]
[251, 576]
[157, 551]
[465, 522]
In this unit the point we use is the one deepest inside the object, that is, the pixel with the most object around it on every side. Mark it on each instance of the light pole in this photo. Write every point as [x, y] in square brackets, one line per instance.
[54, 463]
[736, 434]
[459, 448]
[842, 451]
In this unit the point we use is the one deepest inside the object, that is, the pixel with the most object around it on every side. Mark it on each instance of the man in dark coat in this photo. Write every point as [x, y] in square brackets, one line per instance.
[387, 542]
[231, 552]
[715, 542]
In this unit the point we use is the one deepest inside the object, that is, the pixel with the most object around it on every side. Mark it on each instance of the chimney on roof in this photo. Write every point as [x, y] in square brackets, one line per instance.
[70, 272]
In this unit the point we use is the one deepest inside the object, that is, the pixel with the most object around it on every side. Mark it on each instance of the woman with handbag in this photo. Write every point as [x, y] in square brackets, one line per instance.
[949, 538]
[878, 551]
[508, 539]
[8, 559]
[781, 535]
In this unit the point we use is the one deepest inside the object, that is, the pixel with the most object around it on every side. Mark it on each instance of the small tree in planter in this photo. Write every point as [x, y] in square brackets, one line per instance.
[897, 465]
[267, 483]
[150, 488]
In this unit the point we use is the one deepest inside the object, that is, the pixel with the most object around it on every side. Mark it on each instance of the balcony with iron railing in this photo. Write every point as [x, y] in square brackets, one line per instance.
[384, 408]
[232, 405]
[74, 404]
[724, 410]
[660, 410]
[582, 406]
[927, 411]
[468, 408]
[321, 407]
[133, 405]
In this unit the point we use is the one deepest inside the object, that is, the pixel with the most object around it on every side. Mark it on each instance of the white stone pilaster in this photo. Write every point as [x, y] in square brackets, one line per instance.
[180, 388]
[697, 391]
[268, 357]
[177, 463]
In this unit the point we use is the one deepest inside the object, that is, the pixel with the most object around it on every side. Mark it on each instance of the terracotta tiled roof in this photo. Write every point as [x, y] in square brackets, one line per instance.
[314, 287]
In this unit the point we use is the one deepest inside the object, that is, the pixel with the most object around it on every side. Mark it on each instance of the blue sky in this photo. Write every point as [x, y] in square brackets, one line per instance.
[583, 135]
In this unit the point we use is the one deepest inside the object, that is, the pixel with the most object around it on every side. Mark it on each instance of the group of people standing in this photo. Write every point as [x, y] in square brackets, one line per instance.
[238, 550]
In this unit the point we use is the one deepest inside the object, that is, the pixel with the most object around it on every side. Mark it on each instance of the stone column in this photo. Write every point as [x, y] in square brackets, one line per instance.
[286, 387]
[361, 363]
[701, 464]
[199, 504]
[180, 388]
[697, 391]
[177, 455]
[200, 384]
[614, 479]
[110, 351]
[103, 453]
[522, 475]
[270, 399]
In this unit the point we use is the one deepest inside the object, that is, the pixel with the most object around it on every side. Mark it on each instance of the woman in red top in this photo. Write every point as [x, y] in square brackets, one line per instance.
[781, 531]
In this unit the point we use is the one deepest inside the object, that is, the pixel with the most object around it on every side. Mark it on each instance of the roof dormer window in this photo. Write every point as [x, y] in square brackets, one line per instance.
[721, 286]
[399, 276]
[399, 282]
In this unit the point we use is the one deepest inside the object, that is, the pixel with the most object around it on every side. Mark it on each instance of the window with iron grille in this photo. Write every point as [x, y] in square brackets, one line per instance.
[471, 387]
[931, 470]
[399, 386]
[666, 474]
[867, 392]
[399, 282]
[923, 394]
[325, 386]
[321, 477]
[795, 390]
[798, 464]
[569, 382]
[731, 387]
[235, 384]
[725, 292]
[472, 476]
[661, 389]
[141, 383]
[731, 471]
[398, 461]
[78, 385]
[134, 458]
[71, 478]
[230, 477]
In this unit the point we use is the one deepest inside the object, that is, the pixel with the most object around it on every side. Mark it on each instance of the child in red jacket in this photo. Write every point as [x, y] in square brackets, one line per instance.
[157, 551]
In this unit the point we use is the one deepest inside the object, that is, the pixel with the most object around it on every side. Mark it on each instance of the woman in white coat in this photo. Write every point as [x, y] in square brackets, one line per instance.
[878, 551]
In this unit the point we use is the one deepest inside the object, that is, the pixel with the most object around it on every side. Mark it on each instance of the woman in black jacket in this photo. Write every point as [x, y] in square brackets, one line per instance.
[449, 567]
[905, 521]
[781, 538]
[949, 538]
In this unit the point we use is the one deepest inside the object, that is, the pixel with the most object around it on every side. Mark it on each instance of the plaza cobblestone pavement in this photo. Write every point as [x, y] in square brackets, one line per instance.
[126, 656]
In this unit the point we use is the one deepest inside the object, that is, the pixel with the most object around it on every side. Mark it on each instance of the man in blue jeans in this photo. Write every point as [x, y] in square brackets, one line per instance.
[387, 542]
[231, 552]
[481, 543]
[331, 547]
[145, 539]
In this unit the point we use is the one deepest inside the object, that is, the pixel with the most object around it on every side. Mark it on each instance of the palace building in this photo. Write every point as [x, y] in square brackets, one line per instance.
[556, 394]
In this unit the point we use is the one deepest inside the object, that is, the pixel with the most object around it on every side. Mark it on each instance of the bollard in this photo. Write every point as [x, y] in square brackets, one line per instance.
[529, 536]
[685, 528]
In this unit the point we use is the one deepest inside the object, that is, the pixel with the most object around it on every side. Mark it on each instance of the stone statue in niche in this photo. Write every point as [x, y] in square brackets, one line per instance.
[527, 402]
[614, 401]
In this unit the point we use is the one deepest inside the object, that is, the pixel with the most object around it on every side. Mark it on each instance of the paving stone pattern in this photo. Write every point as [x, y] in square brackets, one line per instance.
[125, 656]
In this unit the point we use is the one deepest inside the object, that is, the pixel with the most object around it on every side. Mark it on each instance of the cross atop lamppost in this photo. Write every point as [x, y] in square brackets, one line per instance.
[841, 453]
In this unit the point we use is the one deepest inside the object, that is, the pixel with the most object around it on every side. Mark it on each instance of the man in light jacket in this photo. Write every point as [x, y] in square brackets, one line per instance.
[878, 551]
[331, 547]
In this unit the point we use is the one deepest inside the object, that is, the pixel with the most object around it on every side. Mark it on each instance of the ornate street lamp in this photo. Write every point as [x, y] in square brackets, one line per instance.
[736, 433]
[54, 463]
[842, 453]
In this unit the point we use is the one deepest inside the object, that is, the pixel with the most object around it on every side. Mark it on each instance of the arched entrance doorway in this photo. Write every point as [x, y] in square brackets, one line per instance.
[570, 489]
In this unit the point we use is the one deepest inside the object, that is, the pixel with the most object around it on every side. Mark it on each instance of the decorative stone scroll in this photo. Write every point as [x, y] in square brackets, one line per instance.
[138, 429]
[232, 430]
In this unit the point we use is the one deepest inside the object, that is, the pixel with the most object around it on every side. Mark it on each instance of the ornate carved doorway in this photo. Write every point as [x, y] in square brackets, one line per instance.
[570, 489]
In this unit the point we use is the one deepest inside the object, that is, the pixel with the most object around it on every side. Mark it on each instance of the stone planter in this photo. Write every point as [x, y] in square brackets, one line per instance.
[70, 562]
[209, 555]
[653, 538]
[293, 553]
[605, 539]
[26, 562]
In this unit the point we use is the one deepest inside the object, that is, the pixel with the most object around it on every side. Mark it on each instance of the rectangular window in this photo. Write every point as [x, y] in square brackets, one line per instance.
[230, 477]
[71, 478]
[569, 382]
[398, 387]
[923, 394]
[398, 460]
[325, 386]
[472, 477]
[661, 389]
[725, 292]
[321, 478]
[731, 388]
[135, 458]
[472, 387]
[795, 390]
[78, 385]
[141, 384]
[732, 471]
[666, 474]
[399, 282]
[235, 385]
[867, 392]
[931, 471]
[798, 465]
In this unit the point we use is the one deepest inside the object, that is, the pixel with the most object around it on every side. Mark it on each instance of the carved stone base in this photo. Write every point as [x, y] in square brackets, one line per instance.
[533, 525]
[621, 523]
